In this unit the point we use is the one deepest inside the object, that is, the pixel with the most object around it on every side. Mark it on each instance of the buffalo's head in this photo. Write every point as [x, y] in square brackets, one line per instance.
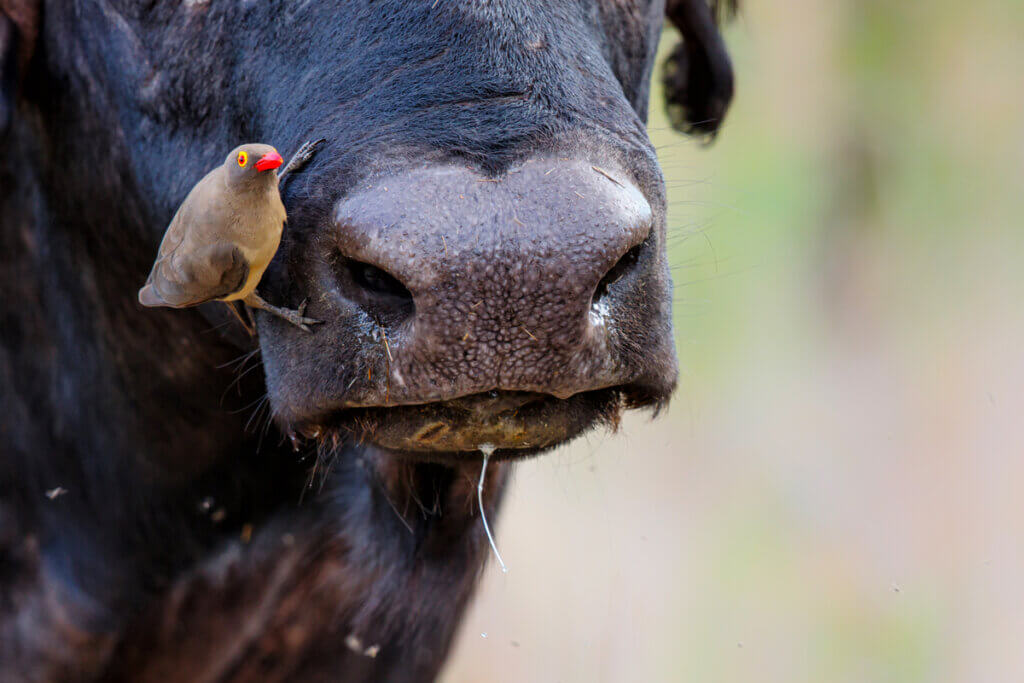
[483, 234]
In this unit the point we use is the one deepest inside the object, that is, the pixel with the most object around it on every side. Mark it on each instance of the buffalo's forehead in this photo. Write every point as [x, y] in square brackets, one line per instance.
[485, 80]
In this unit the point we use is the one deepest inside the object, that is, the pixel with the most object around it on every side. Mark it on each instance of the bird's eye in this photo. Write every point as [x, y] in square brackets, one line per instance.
[243, 159]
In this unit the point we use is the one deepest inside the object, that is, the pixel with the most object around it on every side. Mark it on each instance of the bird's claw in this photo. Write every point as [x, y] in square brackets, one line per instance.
[294, 316]
[301, 157]
[299, 319]
[308, 149]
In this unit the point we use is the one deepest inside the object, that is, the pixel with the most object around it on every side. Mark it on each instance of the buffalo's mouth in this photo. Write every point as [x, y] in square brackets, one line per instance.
[517, 424]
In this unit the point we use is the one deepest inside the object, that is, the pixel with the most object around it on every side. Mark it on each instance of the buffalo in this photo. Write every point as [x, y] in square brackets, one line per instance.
[482, 235]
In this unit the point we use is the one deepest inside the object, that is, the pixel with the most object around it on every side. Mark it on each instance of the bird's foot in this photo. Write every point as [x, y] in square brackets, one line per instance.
[300, 158]
[294, 316]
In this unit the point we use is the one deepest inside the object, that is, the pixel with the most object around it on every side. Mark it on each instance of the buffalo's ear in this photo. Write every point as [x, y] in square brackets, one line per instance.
[19, 25]
[698, 73]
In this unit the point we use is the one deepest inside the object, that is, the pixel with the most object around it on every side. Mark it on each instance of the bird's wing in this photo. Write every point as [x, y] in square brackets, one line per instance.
[204, 206]
[192, 276]
[197, 261]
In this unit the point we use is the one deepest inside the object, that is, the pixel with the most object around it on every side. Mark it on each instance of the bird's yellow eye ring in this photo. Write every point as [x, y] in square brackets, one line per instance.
[243, 159]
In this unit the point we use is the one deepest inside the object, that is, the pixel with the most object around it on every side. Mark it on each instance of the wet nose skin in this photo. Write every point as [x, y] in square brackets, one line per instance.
[502, 274]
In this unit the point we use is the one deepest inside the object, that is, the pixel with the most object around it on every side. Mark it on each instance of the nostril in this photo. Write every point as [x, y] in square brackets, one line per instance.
[379, 292]
[621, 269]
[377, 281]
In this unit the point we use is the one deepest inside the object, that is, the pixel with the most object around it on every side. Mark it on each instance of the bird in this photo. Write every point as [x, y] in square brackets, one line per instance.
[224, 235]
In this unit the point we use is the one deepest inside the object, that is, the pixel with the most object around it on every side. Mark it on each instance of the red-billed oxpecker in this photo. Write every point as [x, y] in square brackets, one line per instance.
[225, 234]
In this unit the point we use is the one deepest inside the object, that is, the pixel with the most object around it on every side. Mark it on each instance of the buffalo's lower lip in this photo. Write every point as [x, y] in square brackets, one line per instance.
[516, 424]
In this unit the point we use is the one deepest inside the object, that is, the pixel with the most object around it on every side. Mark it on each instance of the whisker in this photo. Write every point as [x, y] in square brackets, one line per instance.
[236, 381]
[262, 400]
[248, 406]
[717, 276]
[244, 357]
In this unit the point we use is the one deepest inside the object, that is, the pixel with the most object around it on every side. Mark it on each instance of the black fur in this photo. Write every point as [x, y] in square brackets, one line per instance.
[155, 523]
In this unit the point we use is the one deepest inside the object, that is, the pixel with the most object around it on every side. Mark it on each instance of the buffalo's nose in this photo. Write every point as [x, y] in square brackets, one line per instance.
[481, 283]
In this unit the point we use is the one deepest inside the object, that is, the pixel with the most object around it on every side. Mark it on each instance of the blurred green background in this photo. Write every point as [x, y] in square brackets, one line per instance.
[837, 491]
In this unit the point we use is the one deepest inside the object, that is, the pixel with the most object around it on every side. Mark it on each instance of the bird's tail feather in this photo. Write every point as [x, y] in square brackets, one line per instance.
[148, 296]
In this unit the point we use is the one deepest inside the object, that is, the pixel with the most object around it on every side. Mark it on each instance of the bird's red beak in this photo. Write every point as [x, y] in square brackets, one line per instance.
[268, 161]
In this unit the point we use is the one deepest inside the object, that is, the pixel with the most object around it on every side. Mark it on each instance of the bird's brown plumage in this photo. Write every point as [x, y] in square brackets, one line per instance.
[222, 237]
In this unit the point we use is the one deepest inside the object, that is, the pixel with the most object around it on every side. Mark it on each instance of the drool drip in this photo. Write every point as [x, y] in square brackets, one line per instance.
[488, 450]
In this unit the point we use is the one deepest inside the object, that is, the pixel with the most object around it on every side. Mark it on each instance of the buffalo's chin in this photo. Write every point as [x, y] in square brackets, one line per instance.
[515, 424]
